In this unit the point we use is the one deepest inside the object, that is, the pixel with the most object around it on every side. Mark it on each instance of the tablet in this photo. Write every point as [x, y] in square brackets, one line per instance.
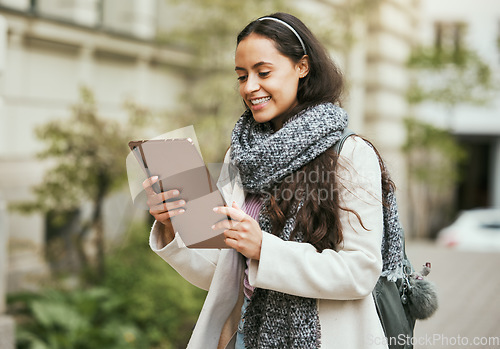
[179, 165]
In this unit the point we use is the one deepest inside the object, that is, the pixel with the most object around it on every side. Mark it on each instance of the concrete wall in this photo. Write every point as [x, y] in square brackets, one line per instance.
[389, 40]
[7, 328]
[7, 332]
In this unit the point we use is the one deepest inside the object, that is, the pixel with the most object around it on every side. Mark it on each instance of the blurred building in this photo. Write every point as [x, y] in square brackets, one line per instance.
[48, 49]
[476, 25]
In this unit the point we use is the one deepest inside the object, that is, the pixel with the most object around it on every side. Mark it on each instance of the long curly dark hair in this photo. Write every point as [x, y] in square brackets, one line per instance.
[318, 220]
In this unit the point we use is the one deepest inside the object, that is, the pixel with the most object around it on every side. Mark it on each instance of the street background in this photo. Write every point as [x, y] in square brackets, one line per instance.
[469, 306]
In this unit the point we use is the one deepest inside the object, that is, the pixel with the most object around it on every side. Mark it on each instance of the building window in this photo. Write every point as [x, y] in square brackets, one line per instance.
[84, 13]
[449, 36]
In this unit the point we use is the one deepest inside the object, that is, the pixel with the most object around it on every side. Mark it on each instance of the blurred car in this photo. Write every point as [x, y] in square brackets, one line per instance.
[477, 230]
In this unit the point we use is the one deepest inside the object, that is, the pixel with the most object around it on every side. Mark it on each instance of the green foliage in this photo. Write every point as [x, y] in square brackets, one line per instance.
[334, 25]
[89, 151]
[450, 77]
[159, 301]
[214, 24]
[142, 303]
[434, 155]
[79, 319]
[446, 76]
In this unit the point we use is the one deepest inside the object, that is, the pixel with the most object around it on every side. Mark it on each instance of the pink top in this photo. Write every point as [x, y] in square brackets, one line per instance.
[252, 207]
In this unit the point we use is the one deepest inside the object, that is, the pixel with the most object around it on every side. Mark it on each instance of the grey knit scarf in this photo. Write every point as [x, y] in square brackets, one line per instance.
[264, 158]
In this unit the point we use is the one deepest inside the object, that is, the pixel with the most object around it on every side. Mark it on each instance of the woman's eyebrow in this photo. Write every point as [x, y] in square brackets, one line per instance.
[258, 64]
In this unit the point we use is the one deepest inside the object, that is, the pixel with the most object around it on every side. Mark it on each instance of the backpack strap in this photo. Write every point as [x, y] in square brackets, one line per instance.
[338, 148]
[340, 143]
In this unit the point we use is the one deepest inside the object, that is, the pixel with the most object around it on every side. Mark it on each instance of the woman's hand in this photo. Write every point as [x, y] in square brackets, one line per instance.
[242, 232]
[161, 210]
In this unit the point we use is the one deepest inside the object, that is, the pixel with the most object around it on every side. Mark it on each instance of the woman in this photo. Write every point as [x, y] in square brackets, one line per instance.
[306, 231]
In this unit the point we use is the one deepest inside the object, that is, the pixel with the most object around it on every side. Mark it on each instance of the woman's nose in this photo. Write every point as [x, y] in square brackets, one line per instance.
[252, 84]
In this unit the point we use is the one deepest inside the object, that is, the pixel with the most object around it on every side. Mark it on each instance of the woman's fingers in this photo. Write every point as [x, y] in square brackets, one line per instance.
[148, 185]
[168, 206]
[241, 231]
[163, 216]
[225, 224]
[165, 211]
[234, 212]
[246, 238]
[154, 198]
[161, 206]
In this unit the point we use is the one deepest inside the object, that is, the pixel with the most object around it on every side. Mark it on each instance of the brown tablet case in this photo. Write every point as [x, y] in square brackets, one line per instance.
[179, 165]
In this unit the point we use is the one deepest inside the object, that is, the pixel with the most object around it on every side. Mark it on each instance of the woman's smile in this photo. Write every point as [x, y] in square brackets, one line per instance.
[259, 103]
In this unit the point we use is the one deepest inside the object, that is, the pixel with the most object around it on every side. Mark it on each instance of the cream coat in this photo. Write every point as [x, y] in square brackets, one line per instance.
[342, 280]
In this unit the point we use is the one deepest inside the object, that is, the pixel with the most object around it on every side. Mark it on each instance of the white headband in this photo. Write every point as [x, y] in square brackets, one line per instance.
[289, 27]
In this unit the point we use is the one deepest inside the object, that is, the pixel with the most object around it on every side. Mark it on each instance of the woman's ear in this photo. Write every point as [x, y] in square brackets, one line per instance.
[303, 66]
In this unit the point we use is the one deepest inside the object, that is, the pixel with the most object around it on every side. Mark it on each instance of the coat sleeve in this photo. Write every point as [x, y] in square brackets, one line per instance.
[352, 271]
[197, 266]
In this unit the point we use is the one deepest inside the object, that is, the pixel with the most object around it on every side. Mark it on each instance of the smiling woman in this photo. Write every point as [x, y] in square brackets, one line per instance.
[271, 48]
[304, 254]
[268, 80]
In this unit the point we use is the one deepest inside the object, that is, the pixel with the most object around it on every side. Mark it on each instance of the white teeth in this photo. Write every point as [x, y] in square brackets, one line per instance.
[260, 100]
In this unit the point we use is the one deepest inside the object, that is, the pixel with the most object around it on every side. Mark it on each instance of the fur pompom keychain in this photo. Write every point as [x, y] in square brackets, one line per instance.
[422, 294]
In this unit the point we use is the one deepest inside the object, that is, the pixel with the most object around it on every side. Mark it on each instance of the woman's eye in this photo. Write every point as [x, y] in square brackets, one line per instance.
[242, 78]
[264, 74]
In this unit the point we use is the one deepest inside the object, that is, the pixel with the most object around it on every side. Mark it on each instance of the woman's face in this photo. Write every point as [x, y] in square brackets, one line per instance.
[268, 80]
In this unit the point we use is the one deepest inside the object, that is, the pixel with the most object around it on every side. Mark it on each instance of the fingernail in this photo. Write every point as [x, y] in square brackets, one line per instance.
[154, 178]
[213, 226]
[182, 202]
[176, 192]
[216, 209]
[182, 211]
